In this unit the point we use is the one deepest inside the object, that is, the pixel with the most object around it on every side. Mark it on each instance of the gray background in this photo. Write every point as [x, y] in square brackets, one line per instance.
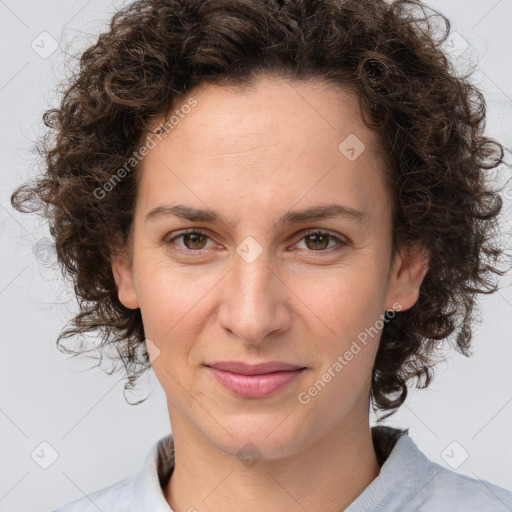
[99, 438]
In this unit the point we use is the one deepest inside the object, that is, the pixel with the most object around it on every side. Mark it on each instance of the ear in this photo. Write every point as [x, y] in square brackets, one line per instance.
[125, 283]
[407, 274]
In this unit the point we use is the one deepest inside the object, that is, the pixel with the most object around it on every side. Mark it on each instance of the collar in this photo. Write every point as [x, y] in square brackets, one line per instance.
[396, 453]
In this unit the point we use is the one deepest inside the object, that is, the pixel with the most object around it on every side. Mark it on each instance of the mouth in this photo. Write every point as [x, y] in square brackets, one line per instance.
[256, 381]
[242, 368]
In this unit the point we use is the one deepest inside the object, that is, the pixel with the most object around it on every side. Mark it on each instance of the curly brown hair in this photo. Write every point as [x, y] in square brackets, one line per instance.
[429, 119]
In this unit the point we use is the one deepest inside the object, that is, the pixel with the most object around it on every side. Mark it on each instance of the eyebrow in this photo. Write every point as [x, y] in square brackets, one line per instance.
[319, 212]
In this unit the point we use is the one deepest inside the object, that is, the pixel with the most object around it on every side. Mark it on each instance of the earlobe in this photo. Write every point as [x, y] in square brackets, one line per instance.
[123, 276]
[407, 274]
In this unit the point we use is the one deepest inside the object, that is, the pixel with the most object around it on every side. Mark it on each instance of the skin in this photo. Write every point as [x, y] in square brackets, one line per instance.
[252, 156]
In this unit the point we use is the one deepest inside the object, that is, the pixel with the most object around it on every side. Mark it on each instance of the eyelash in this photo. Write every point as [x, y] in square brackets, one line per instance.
[341, 243]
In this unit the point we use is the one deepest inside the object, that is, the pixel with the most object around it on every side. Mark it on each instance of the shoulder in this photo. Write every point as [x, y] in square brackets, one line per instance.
[114, 498]
[140, 491]
[440, 489]
[410, 482]
[447, 490]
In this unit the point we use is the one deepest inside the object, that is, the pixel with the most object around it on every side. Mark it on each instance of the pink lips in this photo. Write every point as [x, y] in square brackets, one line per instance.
[255, 381]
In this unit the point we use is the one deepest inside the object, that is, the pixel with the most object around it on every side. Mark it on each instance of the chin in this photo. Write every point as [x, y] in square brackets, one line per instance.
[271, 438]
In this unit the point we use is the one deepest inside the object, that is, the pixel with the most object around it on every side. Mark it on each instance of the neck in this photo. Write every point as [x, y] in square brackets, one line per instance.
[327, 474]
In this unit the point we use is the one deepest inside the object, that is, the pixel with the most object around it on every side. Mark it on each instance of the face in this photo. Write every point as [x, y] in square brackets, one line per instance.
[253, 283]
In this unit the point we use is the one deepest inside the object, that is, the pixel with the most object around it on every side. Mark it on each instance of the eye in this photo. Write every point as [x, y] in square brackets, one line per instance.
[318, 241]
[193, 240]
[315, 241]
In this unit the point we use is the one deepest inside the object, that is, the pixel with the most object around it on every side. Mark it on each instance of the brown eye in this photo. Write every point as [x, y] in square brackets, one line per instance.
[317, 241]
[192, 241]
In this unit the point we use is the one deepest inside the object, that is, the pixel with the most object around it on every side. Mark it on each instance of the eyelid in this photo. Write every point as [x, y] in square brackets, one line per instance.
[337, 236]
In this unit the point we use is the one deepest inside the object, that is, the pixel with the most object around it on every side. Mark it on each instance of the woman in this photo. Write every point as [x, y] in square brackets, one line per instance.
[281, 207]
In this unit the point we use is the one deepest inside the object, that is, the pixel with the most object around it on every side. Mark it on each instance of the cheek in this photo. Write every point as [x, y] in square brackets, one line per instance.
[172, 303]
[343, 300]
[349, 320]
[168, 294]
[344, 331]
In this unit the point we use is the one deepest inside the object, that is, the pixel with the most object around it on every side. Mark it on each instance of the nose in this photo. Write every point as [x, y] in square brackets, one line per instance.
[256, 302]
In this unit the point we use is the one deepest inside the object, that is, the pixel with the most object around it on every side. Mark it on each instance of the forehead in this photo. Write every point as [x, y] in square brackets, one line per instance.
[273, 109]
[261, 148]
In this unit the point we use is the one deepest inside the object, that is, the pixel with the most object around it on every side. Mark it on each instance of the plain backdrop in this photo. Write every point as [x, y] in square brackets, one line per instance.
[54, 413]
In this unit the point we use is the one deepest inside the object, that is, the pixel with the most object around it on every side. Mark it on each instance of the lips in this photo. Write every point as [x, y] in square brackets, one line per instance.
[254, 369]
[255, 381]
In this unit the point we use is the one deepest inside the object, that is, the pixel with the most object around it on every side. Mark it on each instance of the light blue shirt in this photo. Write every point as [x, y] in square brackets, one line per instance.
[408, 481]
